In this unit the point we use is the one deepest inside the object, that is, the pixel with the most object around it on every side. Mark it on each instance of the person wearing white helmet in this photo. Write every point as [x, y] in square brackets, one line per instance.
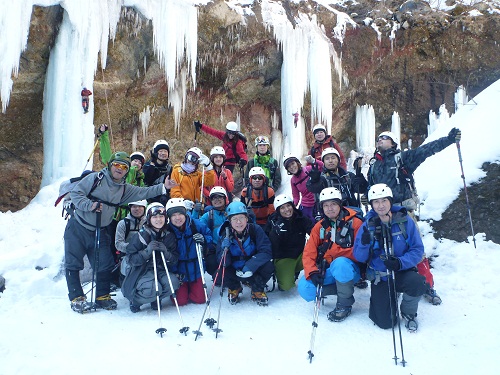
[190, 233]
[130, 225]
[223, 176]
[264, 160]
[189, 179]
[139, 285]
[395, 168]
[321, 141]
[328, 255]
[298, 182]
[390, 242]
[258, 196]
[287, 229]
[233, 142]
[333, 175]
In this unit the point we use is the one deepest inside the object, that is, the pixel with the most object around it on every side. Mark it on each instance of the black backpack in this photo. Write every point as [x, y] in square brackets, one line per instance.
[245, 146]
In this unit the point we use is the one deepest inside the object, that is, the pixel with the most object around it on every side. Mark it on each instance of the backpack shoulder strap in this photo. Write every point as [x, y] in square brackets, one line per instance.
[211, 219]
[127, 226]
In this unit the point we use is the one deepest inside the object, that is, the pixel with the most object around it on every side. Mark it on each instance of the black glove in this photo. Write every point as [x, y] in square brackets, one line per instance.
[366, 237]
[198, 125]
[198, 238]
[316, 278]
[154, 157]
[392, 263]
[242, 163]
[455, 135]
[359, 183]
[197, 207]
[314, 174]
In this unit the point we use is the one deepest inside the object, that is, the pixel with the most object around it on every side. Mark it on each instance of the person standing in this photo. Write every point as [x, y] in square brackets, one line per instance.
[96, 197]
[85, 99]
[390, 242]
[223, 176]
[264, 160]
[323, 141]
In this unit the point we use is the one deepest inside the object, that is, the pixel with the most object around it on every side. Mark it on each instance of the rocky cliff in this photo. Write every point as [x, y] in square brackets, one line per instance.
[406, 57]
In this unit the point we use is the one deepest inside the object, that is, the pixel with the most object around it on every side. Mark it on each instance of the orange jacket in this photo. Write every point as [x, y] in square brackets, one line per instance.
[189, 185]
[259, 207]
[335, 251]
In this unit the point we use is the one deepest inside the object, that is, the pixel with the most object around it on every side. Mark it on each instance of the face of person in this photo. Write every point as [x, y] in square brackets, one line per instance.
[320, 136]
[384, 143]
[293, 167]
[239, 222]
[230, 135]
[137, 211]
[136, 163]
[218, 201]
[118, 171]
[218, 160]
[163, 154]
[262, 149]
[331, 162]
[331, 209]
[178, 219]
[158, 221]
[381, 206]
[286, 210]
[257, 181]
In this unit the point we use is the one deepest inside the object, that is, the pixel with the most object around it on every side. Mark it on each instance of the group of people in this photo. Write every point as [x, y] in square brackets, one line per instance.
[166, 226]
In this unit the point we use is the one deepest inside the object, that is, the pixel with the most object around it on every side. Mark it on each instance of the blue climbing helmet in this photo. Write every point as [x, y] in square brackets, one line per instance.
[236, 208]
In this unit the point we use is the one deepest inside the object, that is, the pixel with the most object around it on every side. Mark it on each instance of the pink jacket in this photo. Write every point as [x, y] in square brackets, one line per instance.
[299, 186]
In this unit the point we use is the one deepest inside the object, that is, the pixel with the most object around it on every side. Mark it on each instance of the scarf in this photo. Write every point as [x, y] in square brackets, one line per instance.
[263, 162]
[188, 168]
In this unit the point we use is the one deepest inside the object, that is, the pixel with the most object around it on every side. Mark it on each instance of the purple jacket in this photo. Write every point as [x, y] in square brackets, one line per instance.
[299, 183]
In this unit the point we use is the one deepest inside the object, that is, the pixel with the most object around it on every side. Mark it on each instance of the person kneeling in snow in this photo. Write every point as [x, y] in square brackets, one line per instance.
[145, 255]
[391, 243]
[245, 254]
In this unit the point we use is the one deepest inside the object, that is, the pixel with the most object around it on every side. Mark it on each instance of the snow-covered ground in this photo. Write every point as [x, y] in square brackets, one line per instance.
[40, 333]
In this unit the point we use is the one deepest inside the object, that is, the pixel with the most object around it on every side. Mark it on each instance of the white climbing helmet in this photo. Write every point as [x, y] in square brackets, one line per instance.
[256, 171]
[281, 199]
[193, 155]
[378, 191]
[175, 205]
[231, 126]
[154, 208]
[391, 135]
[219, 190]
[329, 194]
[143, 203]
[217, 150]
[138, 155]
[288, 158]
[328, 151]
[319, 127]
[161, 144]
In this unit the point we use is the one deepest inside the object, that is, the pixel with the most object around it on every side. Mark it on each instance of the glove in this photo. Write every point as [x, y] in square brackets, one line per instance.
[245, 273]
[310, 159]
[364, 200]
[204, 160]
[189, 205]
[392, 263]
[316, 278]
[103, 128]
[358, 183]
[226, 243]
[198, 238]
[197, 207]
[366, 238]
[455, 135]
[154, 157]
[314, 174]
[198, 125]
[242, 163]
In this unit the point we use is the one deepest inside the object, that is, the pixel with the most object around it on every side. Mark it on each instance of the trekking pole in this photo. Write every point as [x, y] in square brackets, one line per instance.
[202, 270]
[97, 244]
[466, 194]
[184, 328]
[92, 153]
[202, 184]
[387, 243]
[317, 305]
[160, 330]
[210, 321]
[226, 250]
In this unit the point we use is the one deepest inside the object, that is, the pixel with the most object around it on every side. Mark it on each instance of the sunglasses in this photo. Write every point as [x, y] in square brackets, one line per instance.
[121, 166]
[157, 211]
[192, 158]
[231, 132]
[257, 178]
[384, 138]
[217, 196]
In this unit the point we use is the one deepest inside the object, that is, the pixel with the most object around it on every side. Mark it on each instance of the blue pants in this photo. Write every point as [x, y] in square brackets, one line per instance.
[341, 270]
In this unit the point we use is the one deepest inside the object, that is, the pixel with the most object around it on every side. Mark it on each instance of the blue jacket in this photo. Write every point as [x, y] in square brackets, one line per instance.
[408, 248]
[219, 217]
[254, 252]
[188, 265]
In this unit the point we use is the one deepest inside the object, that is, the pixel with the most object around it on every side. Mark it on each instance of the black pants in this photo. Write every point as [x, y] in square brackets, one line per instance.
[257, 282]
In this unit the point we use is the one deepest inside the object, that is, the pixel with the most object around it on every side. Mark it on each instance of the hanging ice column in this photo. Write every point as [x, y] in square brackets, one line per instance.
[461, 98]
[365, 129]
[436, 120]
[396, 127]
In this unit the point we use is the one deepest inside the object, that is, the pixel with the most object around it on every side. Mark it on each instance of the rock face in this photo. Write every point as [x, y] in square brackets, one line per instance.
[238, 73]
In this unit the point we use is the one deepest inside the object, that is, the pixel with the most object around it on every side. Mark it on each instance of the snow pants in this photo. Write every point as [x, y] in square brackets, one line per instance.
[190, 291]
[343, 273]
[145, 291]
[285, 270]
[408, 282]
[78, 242]
[257, 282]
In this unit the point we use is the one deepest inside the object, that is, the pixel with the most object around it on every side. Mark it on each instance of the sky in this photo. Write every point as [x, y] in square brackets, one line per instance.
[41, 334]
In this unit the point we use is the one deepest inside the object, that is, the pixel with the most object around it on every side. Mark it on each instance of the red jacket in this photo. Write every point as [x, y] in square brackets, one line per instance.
[227, 184]
[318, 148]
[230, 146]
[86, 92]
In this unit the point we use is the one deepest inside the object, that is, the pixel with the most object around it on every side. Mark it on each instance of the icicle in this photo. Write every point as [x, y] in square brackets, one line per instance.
[396, 127]
[461, 98]
[365, 129]
[144, 119]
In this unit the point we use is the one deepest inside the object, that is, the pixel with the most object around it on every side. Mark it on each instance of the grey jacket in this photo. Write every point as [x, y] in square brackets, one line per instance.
[122, 238]
[106, 191]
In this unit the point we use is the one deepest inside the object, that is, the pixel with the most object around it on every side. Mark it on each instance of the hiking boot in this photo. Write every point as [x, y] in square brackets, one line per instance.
[339, 313]
[134, 308]
[80, 305]
[361, 284]
[154, 305]
[260, 298]
[106, 302]
[411, 323]
[233, 295]
[431, 296]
